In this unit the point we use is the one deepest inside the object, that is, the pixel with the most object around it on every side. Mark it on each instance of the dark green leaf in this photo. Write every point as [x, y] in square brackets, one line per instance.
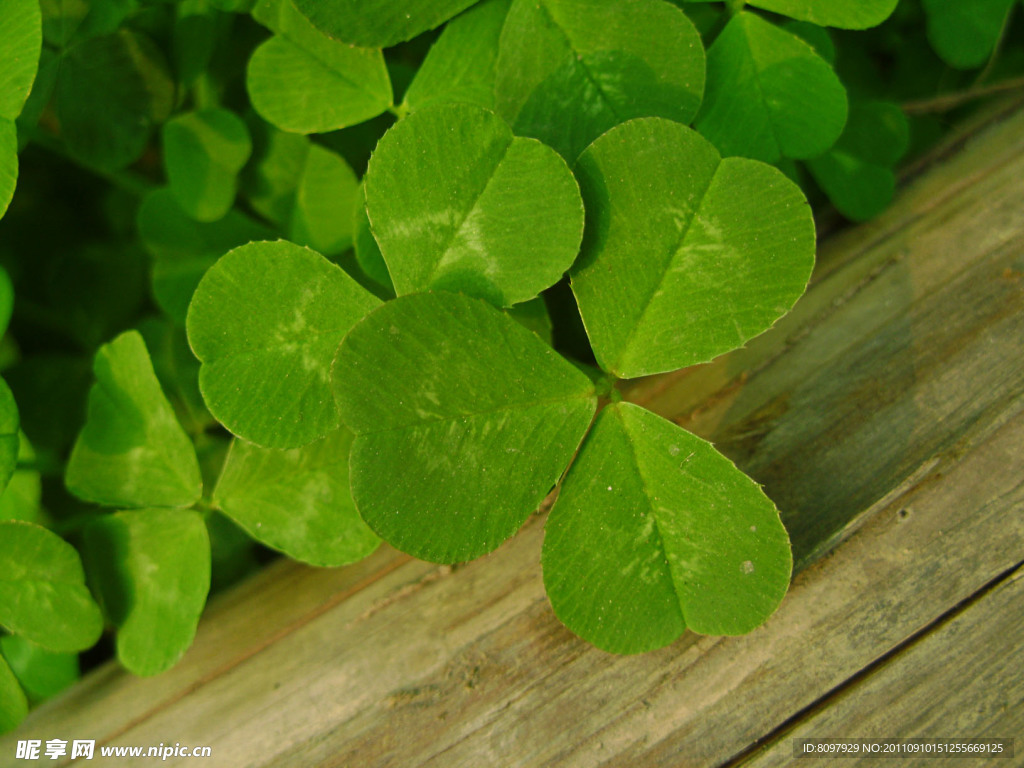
[183, 248]
[177, 370]
[304, 82]
[464, 420]
[857, 173]
[533, 315]
[846, 14]
[111, 91]
[461, 64]
[816, 37]
[6, 300]
[655, 532]
[8, 434]
[964, 34]
[68, 21]
[368, 254]
[297, 501]
[152, 567]
[203, 152]
[13, 704]
[568, 70]
[769, 94]
[266, 322]
[688, 255]
[457, 202]
[42, 589]
[379, 23]
[42, 673]
[132, 451]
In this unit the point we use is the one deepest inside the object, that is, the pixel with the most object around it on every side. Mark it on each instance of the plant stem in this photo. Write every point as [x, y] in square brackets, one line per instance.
[948, 101]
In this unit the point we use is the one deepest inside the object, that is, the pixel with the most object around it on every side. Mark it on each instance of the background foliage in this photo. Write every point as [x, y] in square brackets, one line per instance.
[209, 208]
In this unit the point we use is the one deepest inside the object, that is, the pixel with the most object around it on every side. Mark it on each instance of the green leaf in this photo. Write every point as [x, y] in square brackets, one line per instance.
[21, 500]
[464, 420]
[183, 248]
[177, 370]
[42, 673]
[304, 82]
[857, 173]
[20, 46]
[42, 589]
[965, 34]
[846, 14]
[152, 567]
[655, 532]
[132, 451]
[533, 315]
[203, 152]
[379, 23]
[13, 704]
[6, 300]
[296, 501]
[111, 90]
[68, 21]
[817, 37]
[769, 94]
[8, 163]
[688, 255]
[266, 322]
[568, 70]
[304, 188]
[8, 434]
[457, 202]
[460, 66]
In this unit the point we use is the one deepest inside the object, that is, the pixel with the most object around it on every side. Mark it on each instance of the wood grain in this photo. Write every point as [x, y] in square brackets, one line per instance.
[885, 416]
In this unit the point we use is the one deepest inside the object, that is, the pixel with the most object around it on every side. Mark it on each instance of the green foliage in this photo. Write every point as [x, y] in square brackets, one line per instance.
[152, 570]
[132, 451]
[568, 70]
[43, 596]
[561, 183]
[457, 202]
[690, 255]
[654, 532]
[478, 417]
[769, 94]
[265, 322]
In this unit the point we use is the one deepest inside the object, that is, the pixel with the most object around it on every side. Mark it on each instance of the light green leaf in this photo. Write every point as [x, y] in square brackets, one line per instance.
[846, 14]
[568, 70]
[111, 90]
[304, 188]
[304, 82]
[964, 34]
[183, 248]
[42, 673]
[8, 434]
[42, 589]
[857, 173]
[368, 254]
[460, 66]
[8, 163]
[457, 202]
[24, 492]
[296, 501]
[769, 94]
[13, 704]
[203, 153]
[688, 255]
[20, 46]
[152, 567]
[266, 322]
[464, 420]
[379, 23]
[655, 532]
[132, 451]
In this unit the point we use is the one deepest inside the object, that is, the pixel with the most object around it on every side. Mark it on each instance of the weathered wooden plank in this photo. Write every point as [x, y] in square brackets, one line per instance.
[894, 387]
[964, 680]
